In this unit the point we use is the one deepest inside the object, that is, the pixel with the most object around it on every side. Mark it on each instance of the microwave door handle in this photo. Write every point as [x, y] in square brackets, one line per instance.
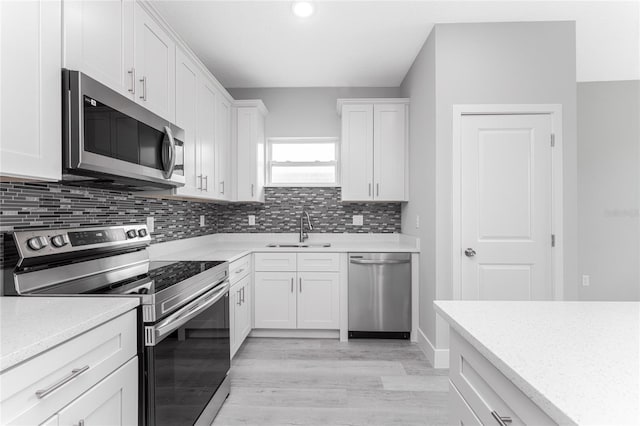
[171, 153]
[186, 314]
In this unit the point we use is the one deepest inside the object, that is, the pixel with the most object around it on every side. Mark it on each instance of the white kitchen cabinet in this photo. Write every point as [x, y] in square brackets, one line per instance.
[98, 40]
[374, 149]
[249, 116]
[275, 300]
[206, 137]
[318, 300]
[302, 299]
[223, 168]
[187, 76]
[154, 63]
[240, 310]
[71, 370]
[113, 401]
[479, 392]
[30, 101]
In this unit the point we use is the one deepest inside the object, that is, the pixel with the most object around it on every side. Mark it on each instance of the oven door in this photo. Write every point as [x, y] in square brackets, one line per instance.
[187, 359]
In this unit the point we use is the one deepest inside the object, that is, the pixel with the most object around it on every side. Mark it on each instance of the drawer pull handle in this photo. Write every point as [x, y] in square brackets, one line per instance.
[502, 420]
[240, 271]
[74, 373]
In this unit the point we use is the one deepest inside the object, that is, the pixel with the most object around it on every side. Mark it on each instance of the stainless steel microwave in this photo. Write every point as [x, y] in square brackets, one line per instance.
[110, 141]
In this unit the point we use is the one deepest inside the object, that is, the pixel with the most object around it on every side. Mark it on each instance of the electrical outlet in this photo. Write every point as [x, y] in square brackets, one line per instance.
[586, 281]
[357, 220]
[201, 220]
[252, 220]
[150, 224]
[417, 221]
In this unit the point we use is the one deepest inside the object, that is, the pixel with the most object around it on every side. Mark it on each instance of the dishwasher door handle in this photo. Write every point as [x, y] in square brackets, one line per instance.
[378, 262]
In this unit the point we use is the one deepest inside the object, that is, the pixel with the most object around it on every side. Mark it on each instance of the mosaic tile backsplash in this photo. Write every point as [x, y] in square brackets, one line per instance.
[47, 205]
[44, 205]
[283, 206]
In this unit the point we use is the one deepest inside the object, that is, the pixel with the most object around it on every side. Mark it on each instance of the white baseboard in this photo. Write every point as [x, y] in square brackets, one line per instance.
[439, 358]
[293, 333]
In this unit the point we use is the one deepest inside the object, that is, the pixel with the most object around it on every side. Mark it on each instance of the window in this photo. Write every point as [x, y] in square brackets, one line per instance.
[302, 161]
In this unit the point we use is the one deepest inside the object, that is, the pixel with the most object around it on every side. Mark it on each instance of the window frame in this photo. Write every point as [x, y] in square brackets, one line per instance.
[302, 140]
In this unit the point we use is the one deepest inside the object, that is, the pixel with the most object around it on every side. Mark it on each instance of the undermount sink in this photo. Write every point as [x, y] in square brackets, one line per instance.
[299, 245]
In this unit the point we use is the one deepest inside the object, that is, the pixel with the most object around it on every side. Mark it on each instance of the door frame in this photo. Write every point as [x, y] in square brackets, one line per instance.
[555, 113]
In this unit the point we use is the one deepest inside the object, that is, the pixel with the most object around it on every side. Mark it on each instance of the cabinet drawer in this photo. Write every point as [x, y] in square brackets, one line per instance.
[318, 262]
[239, 269]
[275, 262]
[485, 389]
[88, 358]
[459, 411]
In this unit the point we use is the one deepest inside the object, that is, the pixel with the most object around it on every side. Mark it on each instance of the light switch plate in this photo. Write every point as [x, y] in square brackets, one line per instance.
[417, 221]
[357, 220]
[586, 280]
[201, 220]
[150, 224]
[252, 220]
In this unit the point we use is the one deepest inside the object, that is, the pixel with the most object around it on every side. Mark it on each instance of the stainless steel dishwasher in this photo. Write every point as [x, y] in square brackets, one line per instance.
[380, 295]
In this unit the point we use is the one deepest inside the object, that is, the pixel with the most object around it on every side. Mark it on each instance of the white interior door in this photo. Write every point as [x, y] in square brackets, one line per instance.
[506, 207]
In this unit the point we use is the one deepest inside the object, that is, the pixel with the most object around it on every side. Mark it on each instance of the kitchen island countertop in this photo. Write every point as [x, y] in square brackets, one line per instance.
[30, 325]
[578, 361]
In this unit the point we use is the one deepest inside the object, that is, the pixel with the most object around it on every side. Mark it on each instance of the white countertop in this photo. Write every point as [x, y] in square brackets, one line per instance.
[578, 361]
[32, 325]
[230, 247]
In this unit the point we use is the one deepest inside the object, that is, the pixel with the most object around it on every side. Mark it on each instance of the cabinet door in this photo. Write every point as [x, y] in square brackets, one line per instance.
[207, 96]
[234, 306]
[223, 149]
[390, 147]
[275, 300]
[460, 413]
[357, 152]
[245, 311]
[247, 130]
[154, 58]
[113, 401]
[186, 114]
[30, 112]
[318, 300]
[98, 40]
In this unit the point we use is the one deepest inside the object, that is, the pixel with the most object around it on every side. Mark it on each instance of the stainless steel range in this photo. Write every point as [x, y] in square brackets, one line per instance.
[184, 314]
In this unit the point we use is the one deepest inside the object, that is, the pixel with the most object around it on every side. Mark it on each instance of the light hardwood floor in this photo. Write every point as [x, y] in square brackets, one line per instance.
[325, 382]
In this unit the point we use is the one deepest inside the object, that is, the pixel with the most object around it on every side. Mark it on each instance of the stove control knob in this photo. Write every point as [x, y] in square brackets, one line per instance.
[131, 233]
[60, 240]
[37, 243]
[142, 233]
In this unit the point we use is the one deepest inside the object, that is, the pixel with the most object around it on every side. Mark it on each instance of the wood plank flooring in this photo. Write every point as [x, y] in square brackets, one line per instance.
[325, 382]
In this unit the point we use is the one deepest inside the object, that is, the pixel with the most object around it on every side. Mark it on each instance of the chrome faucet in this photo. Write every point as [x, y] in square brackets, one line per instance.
[303, 234]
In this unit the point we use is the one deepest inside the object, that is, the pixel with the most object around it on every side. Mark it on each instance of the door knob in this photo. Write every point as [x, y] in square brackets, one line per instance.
[469, 252]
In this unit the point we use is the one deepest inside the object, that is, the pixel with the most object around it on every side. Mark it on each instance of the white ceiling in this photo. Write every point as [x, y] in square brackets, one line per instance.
[373, 43]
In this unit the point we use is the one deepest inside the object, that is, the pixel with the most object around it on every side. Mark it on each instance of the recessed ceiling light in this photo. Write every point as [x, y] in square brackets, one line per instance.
[302, 9]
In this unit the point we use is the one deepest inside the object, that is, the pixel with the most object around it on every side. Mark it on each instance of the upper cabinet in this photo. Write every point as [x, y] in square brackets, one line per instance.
[223, 150]
[374, 149]
[98, 40]
[154, 65]
[121, 45]
[250, 150]
[30, 79]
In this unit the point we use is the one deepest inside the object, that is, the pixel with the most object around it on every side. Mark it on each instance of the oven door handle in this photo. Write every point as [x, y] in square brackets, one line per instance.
[186, 314]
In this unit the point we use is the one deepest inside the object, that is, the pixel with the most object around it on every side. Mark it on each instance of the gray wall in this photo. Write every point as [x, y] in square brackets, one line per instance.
[420, 85]
[295, 112]
[609, 189]
[502, 63]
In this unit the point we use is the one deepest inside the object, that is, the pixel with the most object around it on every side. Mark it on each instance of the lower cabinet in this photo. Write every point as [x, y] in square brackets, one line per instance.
[240, 312]
[480, 394]
[298, 298]
[91, 379]
[239, 301]
[113, 401]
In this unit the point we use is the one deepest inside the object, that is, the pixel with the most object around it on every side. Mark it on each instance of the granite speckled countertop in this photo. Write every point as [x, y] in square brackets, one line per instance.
[32, 325]
[578, 361]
